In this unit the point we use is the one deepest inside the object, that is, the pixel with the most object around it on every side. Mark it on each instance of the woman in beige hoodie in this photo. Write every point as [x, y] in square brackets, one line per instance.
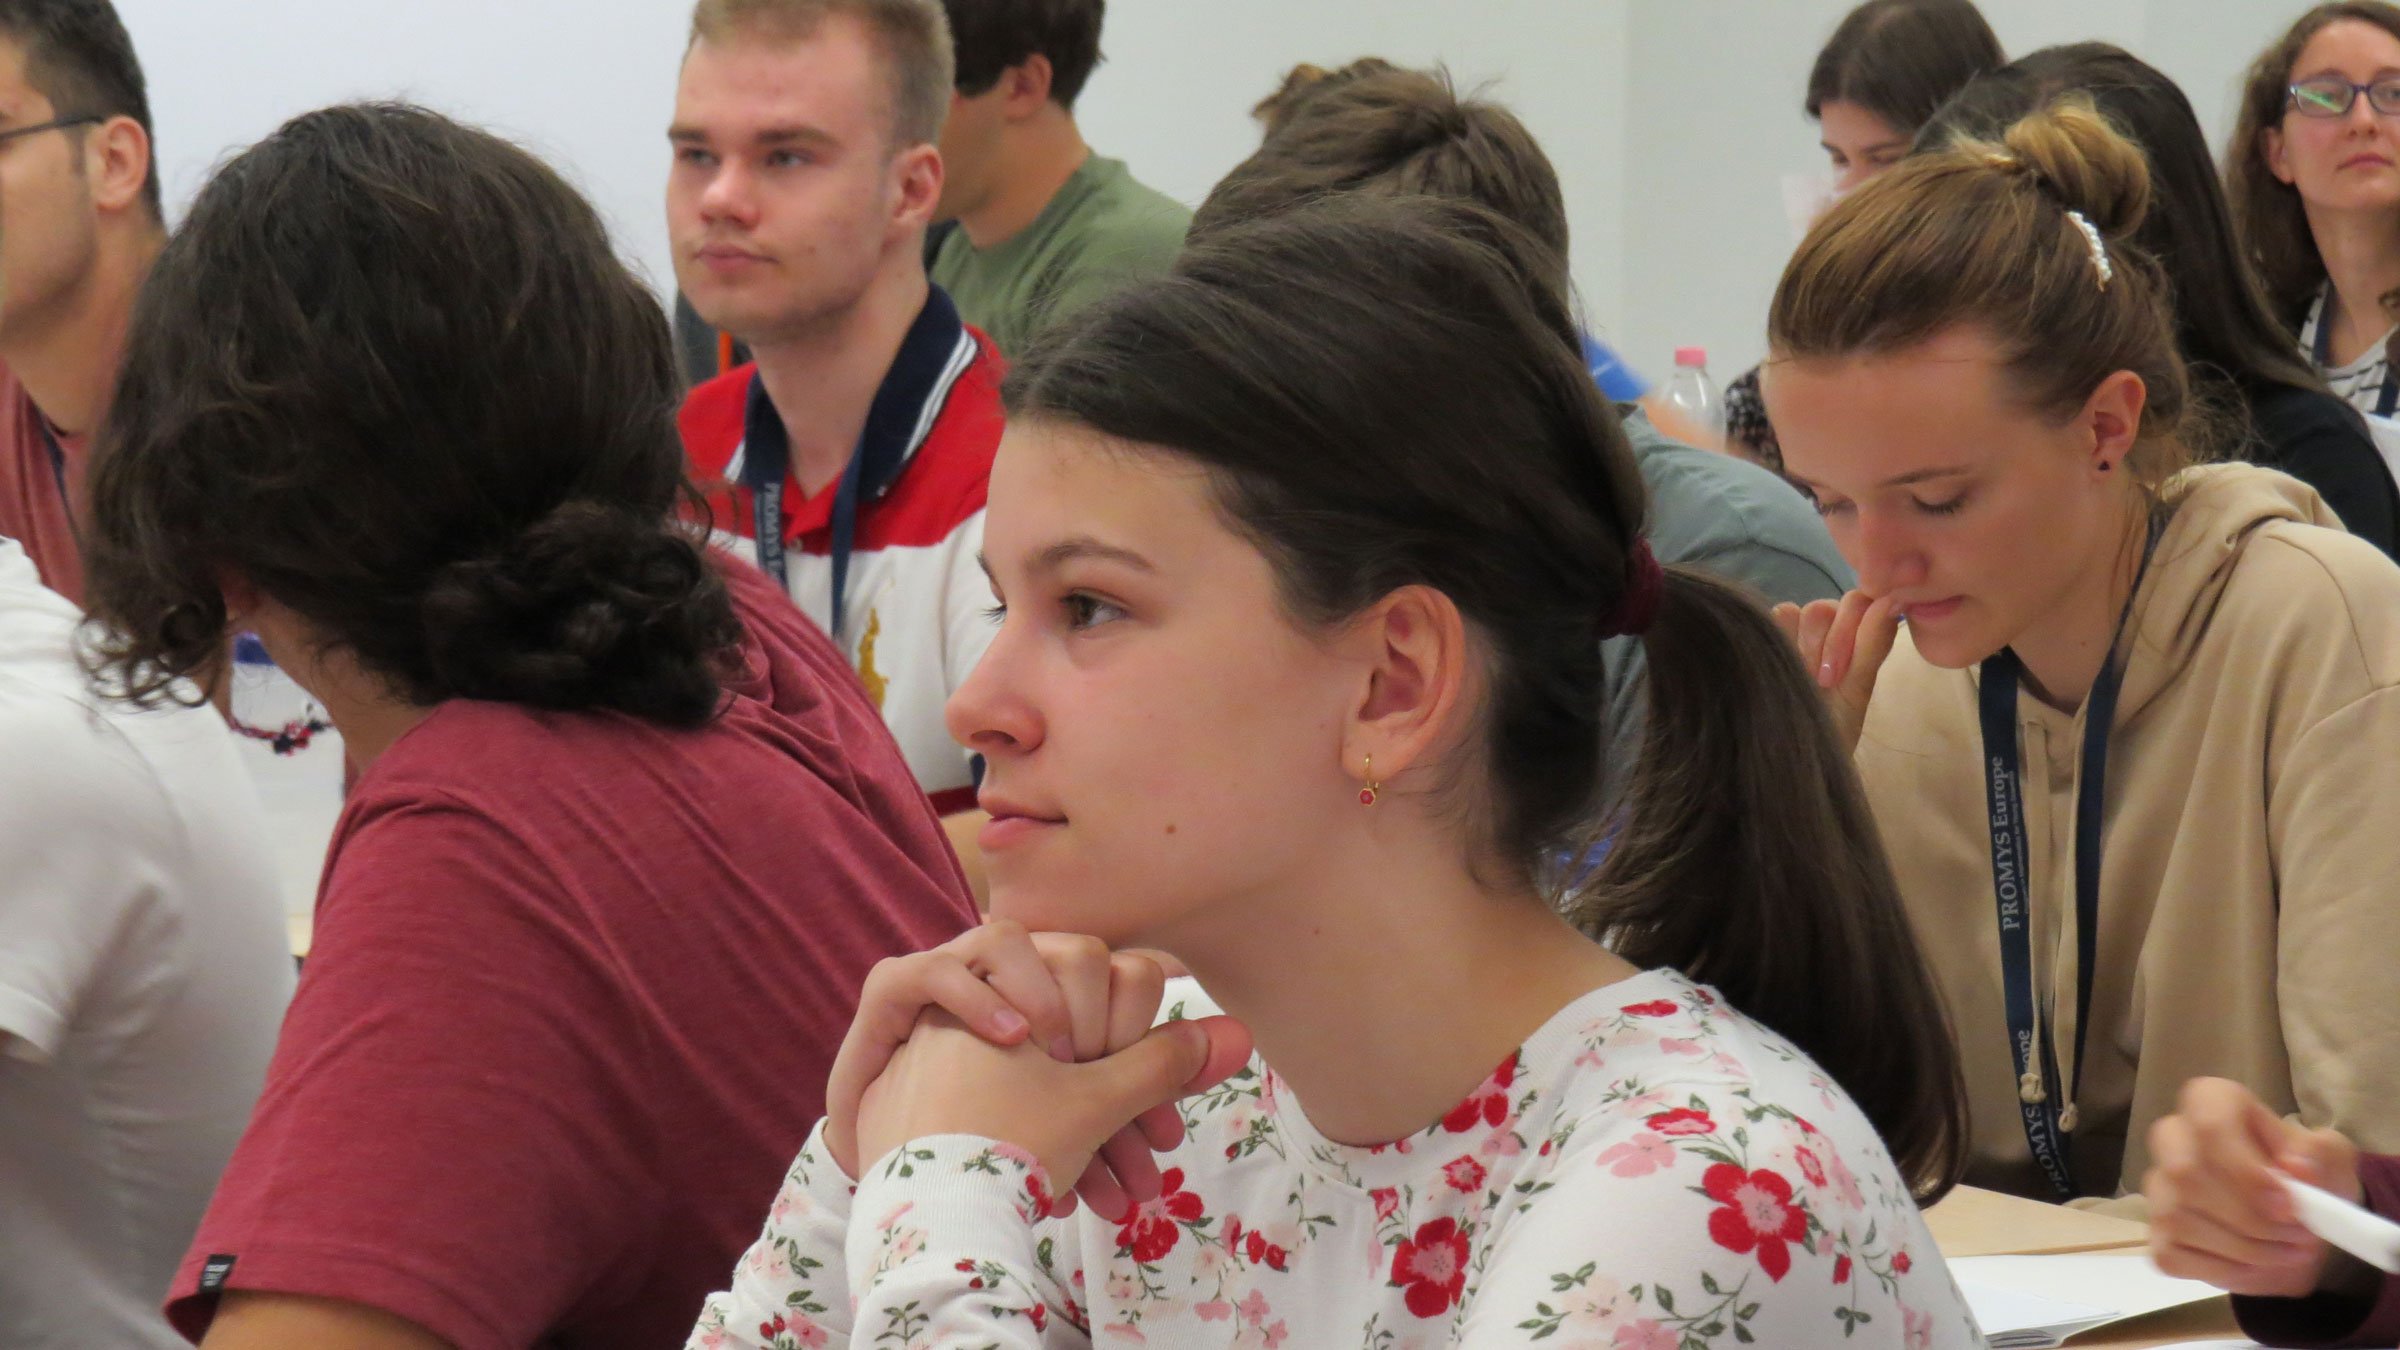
[2131, 729]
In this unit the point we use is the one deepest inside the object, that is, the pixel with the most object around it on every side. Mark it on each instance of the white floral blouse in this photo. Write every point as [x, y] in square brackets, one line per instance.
[1651, 1171]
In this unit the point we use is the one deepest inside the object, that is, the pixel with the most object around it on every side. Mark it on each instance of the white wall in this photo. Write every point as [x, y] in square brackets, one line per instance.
[1672, 122]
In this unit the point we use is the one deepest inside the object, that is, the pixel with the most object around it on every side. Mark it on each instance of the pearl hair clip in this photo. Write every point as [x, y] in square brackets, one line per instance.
[2091, 235]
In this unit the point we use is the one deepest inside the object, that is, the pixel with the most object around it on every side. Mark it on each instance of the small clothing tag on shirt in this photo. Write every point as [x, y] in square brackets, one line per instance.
[214, 1272]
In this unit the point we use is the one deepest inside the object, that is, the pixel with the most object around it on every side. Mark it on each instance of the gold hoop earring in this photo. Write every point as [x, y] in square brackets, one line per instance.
[1367, 794]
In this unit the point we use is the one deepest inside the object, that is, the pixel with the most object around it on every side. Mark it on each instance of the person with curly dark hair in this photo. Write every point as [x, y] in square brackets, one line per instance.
[626, 836]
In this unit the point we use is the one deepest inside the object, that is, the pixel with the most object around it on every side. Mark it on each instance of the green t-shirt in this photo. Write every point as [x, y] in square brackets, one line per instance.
[1100, 231]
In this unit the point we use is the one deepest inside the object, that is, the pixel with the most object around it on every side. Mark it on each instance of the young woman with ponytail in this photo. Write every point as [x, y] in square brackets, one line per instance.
[2128, 745]
[1307, 552]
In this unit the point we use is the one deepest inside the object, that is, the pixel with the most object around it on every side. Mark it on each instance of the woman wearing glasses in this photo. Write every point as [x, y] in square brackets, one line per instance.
[2314, 174]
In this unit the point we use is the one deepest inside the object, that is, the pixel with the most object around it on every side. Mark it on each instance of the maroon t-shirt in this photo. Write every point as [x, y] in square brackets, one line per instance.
[36, 487]
[575, 987]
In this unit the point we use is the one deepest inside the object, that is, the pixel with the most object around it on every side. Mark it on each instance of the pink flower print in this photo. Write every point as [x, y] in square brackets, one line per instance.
[1215, 1310]
[1757, 1215]
[1387, 1202]
[1683, 1121]
[1465, 1175]
[1677, 1045]
[1254, 1309]
[1810, 1167]
[811, 1335]
[1845, 1184]
[1916, 1328]
[1644, 1335]
[1504, 1142]
[1275, 1334]
[1126, 1332]
[1654, 1008]
[1120, 1288]
[1488, 1103]
[1639, 1156]
[1432, 1267]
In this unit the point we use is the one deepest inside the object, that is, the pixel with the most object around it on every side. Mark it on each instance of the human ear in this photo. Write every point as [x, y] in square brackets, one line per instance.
[918, 176]
[1413, 648]
[2114, 416]
[117, 163]
[1028, 85]
[2270, 148]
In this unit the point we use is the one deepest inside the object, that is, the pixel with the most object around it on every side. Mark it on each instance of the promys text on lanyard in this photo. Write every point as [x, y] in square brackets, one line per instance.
[2047, 1103]
[766, 505]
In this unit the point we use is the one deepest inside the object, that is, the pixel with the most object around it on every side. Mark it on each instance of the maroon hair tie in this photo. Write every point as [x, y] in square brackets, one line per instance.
[1645, 583]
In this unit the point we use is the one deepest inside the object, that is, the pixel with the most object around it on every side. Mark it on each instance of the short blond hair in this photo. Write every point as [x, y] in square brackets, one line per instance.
[914, 35]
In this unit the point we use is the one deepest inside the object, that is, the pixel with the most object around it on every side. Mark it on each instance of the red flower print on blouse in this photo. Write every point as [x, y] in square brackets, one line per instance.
[1432, 1267]
[1264, 1253]
[1683, 1120]
[1465, 1175]
[1901, 1263]
[1809, 1166]
[1488, 1103]
[1657, 1007]
[1758, 1215]
[1841, 1270]
[1149, 1233]
[1387, 1202]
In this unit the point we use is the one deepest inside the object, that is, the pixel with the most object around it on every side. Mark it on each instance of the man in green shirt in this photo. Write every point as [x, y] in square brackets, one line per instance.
[1043, 224]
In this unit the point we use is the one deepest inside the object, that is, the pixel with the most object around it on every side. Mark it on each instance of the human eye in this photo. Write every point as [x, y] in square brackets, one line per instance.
[1085, 610]
[788, 159]
[2384, 94]
[1950, 507]
[1828, 507]
[2322, 98]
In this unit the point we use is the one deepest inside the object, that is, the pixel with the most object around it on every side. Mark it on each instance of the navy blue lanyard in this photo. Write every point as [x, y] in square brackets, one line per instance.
[58, 471]
[2386, 398]
[2049, 1113]
[766, 525]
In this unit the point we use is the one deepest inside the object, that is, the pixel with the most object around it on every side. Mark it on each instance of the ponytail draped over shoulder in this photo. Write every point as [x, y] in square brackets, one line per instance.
[1387, 392]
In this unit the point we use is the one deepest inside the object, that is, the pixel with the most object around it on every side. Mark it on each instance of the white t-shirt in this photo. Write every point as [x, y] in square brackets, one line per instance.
[143, 973]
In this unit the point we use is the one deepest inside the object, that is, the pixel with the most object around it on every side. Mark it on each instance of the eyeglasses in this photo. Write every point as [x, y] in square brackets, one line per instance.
[2332, 96]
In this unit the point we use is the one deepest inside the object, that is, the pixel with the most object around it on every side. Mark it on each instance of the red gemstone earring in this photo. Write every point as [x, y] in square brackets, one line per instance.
[1366, 795]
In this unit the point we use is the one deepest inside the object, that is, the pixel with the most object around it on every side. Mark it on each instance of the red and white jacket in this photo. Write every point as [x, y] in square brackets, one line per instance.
[913, 614]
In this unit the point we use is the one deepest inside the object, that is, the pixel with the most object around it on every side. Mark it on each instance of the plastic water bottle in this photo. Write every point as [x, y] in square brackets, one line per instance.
[1694, 395]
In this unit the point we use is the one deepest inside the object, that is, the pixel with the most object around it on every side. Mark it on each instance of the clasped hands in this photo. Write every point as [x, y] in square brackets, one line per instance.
[1040, 1040]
